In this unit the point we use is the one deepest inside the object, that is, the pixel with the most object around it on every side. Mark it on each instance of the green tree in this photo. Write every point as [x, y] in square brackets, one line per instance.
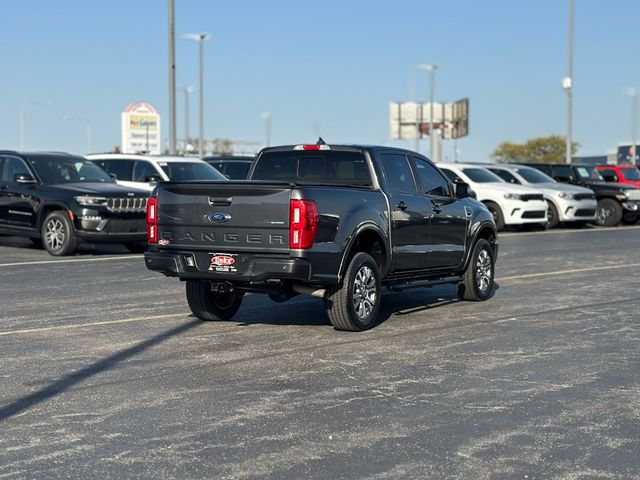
[549, 149]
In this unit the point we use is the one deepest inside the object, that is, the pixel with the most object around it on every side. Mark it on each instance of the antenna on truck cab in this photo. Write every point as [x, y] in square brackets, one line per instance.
[321, 141]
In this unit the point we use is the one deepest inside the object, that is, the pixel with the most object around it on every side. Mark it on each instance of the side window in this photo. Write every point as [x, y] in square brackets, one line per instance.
[608, 175]
[142, 170]
[433, 183]
[452, 176]
[396, 166]
[562, 173]
[13, 166]
[120, 168]
[503, 174]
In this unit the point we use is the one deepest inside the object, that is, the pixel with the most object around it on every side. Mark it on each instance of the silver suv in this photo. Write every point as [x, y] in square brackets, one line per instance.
[566, 203]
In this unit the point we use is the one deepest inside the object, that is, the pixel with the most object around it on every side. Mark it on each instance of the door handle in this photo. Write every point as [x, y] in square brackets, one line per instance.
[436, 209]
[402, 206]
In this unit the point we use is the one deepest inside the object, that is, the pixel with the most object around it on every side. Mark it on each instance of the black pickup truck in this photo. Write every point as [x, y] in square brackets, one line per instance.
[335, 222]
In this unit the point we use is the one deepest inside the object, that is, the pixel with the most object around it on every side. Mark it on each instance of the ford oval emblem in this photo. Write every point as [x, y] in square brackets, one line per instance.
[219, 217]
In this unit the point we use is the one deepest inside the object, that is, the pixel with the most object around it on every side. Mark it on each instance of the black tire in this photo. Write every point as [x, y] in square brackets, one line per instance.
[479, 277]
[211, 306]
[57, 234]
[608, 212]
[496, 211]
[136, 247]
[341, 300]
[553, 217]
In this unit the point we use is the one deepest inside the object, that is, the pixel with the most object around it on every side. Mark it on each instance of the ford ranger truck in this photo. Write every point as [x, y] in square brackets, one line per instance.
[338, 222]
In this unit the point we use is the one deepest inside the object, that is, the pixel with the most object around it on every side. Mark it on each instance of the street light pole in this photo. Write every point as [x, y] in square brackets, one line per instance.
[266, 116]
[431, 67]
[23, 109]
[568, 86]
[634, 122]
[172, 77]
[200, 38]
[187, 91]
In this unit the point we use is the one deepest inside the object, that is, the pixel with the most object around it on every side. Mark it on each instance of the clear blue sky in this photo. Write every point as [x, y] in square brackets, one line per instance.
[330, 67]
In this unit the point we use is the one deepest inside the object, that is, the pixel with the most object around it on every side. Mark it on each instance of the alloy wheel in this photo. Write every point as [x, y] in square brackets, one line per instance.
[55, 234]
[484, 271]
[365, 292]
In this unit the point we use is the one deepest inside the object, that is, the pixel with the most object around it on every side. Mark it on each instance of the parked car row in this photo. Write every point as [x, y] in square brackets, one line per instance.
[58, 199]
[571, 194]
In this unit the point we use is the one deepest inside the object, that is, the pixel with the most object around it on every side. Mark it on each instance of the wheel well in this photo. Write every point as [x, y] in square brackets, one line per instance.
[488, 234]
[46, 210]
[370, 242]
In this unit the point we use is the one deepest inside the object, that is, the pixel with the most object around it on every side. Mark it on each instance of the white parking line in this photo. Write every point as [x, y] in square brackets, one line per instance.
[72, 260]
[93, 324]
[565, 230]
[565, 272]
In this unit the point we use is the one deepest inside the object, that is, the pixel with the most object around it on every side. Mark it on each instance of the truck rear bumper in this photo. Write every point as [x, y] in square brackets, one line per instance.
[252, 268]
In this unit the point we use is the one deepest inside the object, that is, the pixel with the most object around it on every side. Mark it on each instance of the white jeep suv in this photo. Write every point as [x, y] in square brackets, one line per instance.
[565, 203]
[509, 204]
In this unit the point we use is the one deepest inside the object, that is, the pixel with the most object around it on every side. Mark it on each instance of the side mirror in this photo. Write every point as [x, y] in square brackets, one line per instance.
[24, 179]
[461, 189]
[153, 179]
[114, 176]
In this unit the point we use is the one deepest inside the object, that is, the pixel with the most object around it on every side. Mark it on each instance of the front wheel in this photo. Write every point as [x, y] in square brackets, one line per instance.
[58, 236]
[209, 305]
[552, 215]
[479, 276]
[353, 306]
[608, 212]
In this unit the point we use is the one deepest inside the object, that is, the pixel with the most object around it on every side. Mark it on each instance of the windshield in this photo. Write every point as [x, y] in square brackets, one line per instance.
[480, 175]
[67, 169]
[588, 173]
[531, 175]
[189, 171]
[630, 173]
[324, 167]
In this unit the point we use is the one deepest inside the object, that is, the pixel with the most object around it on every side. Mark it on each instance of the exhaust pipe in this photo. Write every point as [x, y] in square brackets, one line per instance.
[314, 292]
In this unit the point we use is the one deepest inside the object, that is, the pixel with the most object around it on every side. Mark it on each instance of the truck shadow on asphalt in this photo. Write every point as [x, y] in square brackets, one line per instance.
[310, 311]
[65, 383]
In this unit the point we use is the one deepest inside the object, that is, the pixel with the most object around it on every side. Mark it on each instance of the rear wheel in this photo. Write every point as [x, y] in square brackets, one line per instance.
[496, 211]
[608, 212]
[58, 236]
[553, 218]
[478, 278]
[211, 306]
[353, 306]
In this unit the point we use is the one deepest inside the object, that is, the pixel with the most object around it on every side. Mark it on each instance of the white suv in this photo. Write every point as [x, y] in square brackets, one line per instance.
[509, 204]
[144, 171]
[566, 203]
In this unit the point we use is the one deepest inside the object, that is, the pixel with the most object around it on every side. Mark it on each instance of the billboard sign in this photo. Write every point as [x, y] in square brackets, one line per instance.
[409, 120]
[140, 125]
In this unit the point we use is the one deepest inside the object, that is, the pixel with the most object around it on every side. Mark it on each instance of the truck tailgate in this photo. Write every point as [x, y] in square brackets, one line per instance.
[226, 217]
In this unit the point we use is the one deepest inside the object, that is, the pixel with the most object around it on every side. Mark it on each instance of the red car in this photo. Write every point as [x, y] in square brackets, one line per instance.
[627, 174]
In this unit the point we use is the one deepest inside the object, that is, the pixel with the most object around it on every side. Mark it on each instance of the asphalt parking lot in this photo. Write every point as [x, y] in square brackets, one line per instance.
[104, 374]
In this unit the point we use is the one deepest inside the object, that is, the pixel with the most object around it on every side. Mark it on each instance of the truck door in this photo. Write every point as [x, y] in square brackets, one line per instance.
[409, 214]
[448, 226]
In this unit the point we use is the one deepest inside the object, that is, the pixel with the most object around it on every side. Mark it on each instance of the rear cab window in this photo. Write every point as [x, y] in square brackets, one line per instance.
[326, 167]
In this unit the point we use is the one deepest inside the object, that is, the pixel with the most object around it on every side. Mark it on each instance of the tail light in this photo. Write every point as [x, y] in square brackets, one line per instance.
[152, 220]
[303, 223]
